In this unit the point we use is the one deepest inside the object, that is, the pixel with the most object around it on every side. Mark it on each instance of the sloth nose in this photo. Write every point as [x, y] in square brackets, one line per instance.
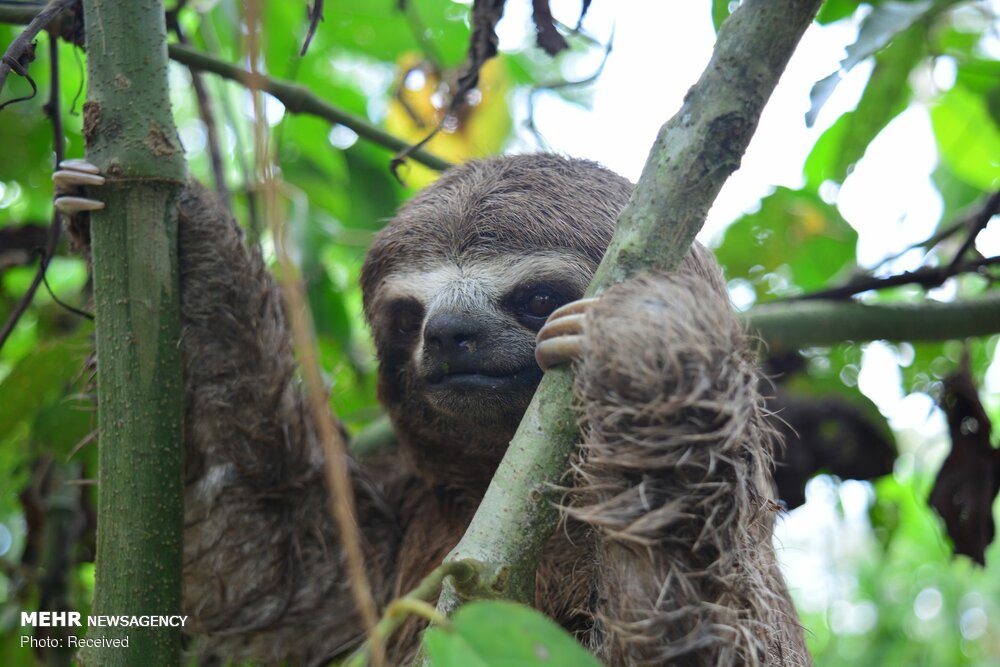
[454, 339]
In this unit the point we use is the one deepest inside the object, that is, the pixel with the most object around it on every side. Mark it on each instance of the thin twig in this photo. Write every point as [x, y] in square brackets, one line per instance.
[937, 237]
[315, 14]
[482, 46]
[557, 85]
[299, 99]
[927, 277]
[62, 304]
[978, 224]
[419, 31]
[12, 57]
[402, 608]
[966, 221]
[55, 114]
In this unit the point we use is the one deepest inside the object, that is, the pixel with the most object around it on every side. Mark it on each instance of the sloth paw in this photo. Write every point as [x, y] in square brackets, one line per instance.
[559, 340]
[69, 180]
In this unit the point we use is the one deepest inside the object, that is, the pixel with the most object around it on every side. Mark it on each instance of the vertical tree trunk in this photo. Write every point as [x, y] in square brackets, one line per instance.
[131, 137]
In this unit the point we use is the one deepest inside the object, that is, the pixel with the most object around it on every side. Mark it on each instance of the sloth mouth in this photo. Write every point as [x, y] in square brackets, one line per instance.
[523, 378]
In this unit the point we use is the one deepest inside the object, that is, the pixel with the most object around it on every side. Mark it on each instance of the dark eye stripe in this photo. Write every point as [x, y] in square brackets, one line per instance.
[403, 317]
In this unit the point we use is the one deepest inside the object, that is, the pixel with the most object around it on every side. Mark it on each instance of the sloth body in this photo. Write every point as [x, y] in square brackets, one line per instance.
[665, 554]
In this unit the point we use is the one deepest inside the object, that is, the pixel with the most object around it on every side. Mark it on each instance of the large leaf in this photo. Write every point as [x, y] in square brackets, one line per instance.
[36, 380]
[886, 20]
[956, 194]
[795, 238]
[886, 94]
[967, 137]
[503, 634]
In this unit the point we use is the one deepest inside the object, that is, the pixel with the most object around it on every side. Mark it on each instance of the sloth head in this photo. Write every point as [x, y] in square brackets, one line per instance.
[458, 284]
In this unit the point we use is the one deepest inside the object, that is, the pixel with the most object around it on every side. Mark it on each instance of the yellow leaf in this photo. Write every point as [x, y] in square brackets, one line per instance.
[478, 128]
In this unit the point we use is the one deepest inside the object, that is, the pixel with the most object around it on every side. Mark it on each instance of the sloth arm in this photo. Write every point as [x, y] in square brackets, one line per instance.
[264, 574]
[674, 477]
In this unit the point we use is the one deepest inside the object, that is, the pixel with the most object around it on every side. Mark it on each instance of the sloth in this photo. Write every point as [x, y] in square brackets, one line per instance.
[664, 555]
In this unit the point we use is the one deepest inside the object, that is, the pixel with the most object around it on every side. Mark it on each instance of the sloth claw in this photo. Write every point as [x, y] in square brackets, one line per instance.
[70, 205]
[79, 165]
[70, 177]
[559, 341]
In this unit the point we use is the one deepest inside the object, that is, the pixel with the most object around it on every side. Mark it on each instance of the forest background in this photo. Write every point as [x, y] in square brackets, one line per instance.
[894, 181]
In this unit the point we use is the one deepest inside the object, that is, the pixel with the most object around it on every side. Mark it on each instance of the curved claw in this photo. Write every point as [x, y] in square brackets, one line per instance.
[79, 165]
[559, 341]
[557, 351]
[68, 178]
[573, 308]
[70, 205]
[71, 176]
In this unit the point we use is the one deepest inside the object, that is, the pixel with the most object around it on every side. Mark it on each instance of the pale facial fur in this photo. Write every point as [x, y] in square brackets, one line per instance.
[478, 286]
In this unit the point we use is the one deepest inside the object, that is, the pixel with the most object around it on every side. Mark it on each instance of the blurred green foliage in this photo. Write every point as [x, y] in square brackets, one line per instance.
[497, 633]
[908, 601]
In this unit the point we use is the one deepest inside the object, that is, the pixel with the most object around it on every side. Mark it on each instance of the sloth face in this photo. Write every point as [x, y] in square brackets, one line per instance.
[458, 338]
[455, 288]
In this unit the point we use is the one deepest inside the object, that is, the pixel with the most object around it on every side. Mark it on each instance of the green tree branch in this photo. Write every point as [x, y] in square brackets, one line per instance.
[694, 154]
[299, 99]
[794, 324]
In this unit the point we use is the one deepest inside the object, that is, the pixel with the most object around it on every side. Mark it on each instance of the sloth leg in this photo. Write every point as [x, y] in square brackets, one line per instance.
[264, 576]
[673, 477]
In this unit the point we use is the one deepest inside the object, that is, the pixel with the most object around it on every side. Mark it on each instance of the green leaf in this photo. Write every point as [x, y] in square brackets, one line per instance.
[885, 96]
[955, 193]
[834, 10]
[34, 382]
[886, 21]
[330, 314]
[503, 634]
[979, 76]
[63, 425]
[720, 12]
[795, 243]
[967, 137]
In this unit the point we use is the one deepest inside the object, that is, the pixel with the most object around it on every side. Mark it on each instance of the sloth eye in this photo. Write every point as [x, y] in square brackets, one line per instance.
[542, 304]
[533, 304]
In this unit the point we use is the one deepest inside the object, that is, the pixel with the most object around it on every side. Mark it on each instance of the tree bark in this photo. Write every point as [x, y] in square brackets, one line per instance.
[694, 154]
[131, 137]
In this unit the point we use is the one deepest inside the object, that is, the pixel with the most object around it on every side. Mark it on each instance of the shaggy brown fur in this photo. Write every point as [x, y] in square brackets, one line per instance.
[666, 554]
[675, 475]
